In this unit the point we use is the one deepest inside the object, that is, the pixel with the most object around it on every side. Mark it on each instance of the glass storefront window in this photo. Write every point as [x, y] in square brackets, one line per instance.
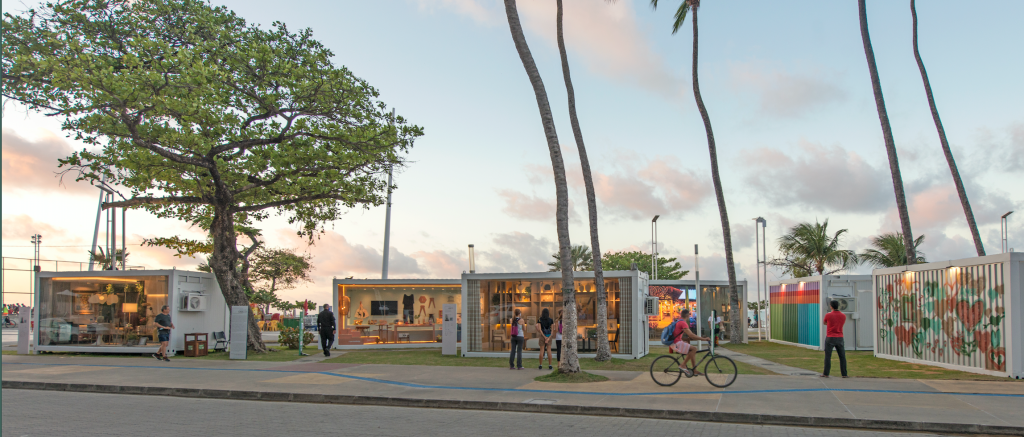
[500, 298]
[100, 311]
[394, 313]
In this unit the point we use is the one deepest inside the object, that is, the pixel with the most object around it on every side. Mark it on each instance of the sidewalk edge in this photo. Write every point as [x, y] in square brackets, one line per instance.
[517, 407]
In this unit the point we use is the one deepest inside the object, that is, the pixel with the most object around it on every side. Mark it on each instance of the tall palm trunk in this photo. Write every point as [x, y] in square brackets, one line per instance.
[570, 362]
[603, 350]
[890, 145]
[960, 191]
[735, 334]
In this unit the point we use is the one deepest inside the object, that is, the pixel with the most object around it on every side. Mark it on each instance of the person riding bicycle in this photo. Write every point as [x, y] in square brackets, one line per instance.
[682, 336]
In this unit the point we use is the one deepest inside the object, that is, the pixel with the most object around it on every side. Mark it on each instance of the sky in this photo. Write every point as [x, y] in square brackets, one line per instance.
[786, 86]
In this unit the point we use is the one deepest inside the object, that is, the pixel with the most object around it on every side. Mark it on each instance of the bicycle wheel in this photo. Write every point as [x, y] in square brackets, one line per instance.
[665, 370]
[720, 371]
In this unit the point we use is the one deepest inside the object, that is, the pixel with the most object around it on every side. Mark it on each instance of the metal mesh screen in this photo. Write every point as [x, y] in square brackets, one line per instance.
[626, 297]
[472, 333]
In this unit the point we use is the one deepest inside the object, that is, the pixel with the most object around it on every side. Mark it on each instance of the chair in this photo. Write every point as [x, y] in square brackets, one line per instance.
[220, 341]
[614, 340]
[498, 335]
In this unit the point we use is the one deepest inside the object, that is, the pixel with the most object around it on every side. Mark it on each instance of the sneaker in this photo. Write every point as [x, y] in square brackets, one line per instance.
[156, 356]
[541, 367]
[549, 367]
[511, 368]
[521, 368]
[166, 359]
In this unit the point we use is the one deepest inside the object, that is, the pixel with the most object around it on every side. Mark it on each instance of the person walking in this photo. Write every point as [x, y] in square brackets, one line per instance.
[715, 324]
[544, 328]
[834, 322]
[558, 339]
[515, 357]
[163, 332]
[325, 325]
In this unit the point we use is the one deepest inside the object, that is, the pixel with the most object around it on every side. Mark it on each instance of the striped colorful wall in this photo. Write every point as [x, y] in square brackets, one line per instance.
[795, 313]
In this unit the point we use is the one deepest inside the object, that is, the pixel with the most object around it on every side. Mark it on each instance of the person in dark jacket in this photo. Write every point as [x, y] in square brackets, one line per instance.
[325, 325]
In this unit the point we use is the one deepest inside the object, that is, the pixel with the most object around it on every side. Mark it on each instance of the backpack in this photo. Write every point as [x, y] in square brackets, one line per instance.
[666, 334]
[515, 327]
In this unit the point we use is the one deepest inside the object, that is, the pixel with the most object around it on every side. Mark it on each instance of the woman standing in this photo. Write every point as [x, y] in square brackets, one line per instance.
[544, 327]
[518, 339]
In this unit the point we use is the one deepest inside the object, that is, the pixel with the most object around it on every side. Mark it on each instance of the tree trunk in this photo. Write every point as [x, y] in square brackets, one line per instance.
[222, 262]
[960, 191]
[735, 335]
[603, 350]
[570, 362]
[890, 145]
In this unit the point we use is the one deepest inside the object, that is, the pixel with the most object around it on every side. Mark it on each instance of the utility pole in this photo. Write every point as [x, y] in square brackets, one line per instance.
[1004, 231]
[654, 247]
[762, 263]
[696, 273]
[387, 219]
[37, 240]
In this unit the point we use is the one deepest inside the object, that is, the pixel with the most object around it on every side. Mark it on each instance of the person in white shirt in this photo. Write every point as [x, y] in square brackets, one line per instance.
[716, 326]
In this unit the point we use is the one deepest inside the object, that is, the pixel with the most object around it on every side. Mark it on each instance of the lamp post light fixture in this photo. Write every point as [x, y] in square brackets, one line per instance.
[654, 247]
[1004, 230]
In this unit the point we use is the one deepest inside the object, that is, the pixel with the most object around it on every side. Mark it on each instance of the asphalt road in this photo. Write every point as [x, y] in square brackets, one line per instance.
[48, 413]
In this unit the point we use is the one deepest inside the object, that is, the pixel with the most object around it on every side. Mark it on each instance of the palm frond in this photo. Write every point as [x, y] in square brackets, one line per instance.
[680, 16]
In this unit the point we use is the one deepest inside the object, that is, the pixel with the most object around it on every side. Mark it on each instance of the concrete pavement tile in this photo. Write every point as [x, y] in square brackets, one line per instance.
[1006, 409]
[820, 404]
[925, 414]
[59, 370]
[312, 378]
[1009, 386]
[900, 399]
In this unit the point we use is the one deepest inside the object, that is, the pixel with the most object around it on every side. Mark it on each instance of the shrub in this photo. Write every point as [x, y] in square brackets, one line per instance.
[290, 337]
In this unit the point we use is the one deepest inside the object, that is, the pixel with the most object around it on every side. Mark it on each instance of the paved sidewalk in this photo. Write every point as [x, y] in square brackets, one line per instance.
[781, 369]
[947, 406]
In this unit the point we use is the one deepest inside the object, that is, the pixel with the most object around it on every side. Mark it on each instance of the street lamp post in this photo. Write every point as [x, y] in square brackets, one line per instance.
[762, 263]
[37, 240]
[1004, 230]
[654, 247]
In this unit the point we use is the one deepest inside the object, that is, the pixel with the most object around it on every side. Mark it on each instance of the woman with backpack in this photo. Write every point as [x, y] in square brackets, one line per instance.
[544, 328]
[517, 342]
[679, 342]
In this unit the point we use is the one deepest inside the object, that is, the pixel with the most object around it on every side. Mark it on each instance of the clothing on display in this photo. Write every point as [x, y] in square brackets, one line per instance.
[361, 312]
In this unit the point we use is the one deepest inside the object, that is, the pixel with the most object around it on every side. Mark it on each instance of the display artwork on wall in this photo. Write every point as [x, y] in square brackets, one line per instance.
[81, 305]
[795, 313]
[951, 316]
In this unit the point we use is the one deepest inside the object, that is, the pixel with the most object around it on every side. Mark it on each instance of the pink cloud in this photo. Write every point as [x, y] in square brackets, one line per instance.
[530, 207]
[785, 94]
[32, 165]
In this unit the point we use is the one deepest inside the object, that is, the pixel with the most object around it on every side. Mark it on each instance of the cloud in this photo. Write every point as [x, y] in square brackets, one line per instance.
[516, 252]
[442, 264]
[30, 165]
[530, 207]
[334, 255]
[821, 177]
[784, 94]
[742, 235]
[603, 35]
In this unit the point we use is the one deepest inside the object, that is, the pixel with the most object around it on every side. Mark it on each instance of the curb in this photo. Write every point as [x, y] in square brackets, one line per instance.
[517, 407]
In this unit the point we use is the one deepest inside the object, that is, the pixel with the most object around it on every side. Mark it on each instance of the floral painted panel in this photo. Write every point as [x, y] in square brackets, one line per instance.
[953, 316]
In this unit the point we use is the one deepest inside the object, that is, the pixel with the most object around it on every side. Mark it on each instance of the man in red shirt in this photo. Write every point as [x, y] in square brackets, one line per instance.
[834, 322]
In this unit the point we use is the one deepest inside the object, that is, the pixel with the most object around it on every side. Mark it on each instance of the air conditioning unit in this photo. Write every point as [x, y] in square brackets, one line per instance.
[846, 304]
[193, 302]
[651, 306]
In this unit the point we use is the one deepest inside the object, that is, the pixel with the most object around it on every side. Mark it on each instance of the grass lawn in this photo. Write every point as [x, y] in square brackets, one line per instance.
[859, 363]
[579, 377]
[433, 357]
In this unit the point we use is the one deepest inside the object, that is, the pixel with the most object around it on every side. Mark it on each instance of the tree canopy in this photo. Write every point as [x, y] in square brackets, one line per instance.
[194, 114]
[582, 259]
[888, 251]
[668, 268]
[809, 248]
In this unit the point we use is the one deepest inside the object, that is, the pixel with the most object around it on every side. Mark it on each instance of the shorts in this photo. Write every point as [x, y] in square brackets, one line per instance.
[163, 336]
[681, 347]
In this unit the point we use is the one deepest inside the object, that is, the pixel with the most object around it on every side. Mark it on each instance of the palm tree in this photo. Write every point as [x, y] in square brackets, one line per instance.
[890, 145]
[582, 259]
[734, 296]
[570, 362]
[106, 262]
[603, 350]
[808, 248]
[960, 191]
[889, 251]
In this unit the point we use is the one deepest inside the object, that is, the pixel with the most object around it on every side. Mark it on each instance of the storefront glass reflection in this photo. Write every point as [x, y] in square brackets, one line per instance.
[372, 314]
[100, 311]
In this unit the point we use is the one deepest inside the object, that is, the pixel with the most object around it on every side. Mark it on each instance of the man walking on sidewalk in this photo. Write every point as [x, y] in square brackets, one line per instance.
[834, 322]
[164, 327]
[325, 324]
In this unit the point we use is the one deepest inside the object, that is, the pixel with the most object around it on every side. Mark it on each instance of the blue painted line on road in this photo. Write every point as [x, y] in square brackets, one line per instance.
[526, 390]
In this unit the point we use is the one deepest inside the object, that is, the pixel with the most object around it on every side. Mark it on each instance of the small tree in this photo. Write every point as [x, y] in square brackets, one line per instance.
[275, 269]
[106, 262]
[203, 117]
[668, 268]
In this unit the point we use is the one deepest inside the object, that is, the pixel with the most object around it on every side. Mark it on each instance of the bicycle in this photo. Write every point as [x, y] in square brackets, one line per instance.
[720, 371]
[10, 324]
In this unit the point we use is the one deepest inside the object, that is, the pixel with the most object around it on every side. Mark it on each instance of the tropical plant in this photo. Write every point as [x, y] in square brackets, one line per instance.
[603, 350]
[205, 118]
[289, 337]
[735, 328]
[809, 248]
[582, 259]
[570, 360]
[889, 251]
[106, 262]
[960, 190]
[668, 268]
[883, 118]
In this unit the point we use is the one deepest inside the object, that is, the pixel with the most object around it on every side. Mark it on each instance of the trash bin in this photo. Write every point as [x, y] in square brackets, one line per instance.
[196, 344]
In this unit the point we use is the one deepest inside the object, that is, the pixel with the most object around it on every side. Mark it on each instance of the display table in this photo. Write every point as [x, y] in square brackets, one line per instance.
[389, 333]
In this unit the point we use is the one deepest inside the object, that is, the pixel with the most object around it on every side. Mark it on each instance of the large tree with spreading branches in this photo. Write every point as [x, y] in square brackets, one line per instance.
[194, 114]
